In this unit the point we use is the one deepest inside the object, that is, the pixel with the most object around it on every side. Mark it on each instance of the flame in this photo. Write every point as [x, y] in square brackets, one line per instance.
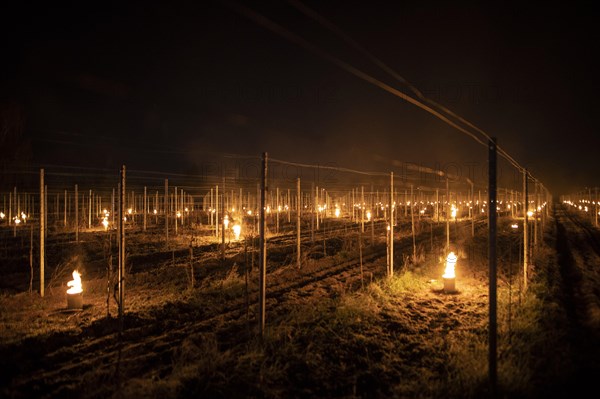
[450, 265]
[226, 221]
[237, 230]
[75, 284]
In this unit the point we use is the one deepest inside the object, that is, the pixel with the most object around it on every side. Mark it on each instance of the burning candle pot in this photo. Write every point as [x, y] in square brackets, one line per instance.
[75, 292]
[449, 273]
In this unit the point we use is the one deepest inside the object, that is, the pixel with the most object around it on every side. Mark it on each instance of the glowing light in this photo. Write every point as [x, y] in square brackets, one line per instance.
[237, 230]
[75, 284]
[2, 215]
[186, 210]
[178, 214]
[17, 220]
[514, 226]
[529, 213]
[449, 272]
[249, 213]
[130, 211]
[337, 212]
[453, 211]
[226, 221]
[369, 216]
[155, 211]
[105, 223]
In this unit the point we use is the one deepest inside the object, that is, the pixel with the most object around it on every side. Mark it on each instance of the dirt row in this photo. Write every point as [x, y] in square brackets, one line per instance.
[90, 348]
[579, 263]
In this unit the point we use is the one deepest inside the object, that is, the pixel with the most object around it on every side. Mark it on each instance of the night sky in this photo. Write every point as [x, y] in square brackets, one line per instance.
[166, 86]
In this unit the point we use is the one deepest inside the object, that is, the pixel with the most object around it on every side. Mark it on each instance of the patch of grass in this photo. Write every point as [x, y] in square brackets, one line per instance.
[232, 285]
[405, 282]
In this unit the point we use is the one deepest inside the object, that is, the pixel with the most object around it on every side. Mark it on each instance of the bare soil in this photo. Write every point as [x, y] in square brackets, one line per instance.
[334, 328]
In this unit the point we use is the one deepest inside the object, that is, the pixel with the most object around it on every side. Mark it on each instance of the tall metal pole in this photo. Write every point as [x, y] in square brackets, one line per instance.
[166, 210]
[314, 212]
[121, 283]
[112, 206]
[317, 206]
[42, 232]
[412, 223]
[298, 216]
[596, 206]
[437, 204]
[535, 217]
[447, 216]
[90, 210]
[263, 249]
[217, 211]
[65, 210]
[492, 219]
[223, 213]
[76, 214]
[145, 207]
[472, 211]
[362, 209]
[289, 205]
[176, 205]
[525, 228]
[392, 224]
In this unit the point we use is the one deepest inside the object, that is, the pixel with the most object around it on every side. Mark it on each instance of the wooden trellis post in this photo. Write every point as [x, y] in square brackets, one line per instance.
[263, 249]
[42, 231]
[121, 277]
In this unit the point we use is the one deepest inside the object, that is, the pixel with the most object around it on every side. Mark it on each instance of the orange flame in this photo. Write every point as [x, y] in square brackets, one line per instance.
[450, 265]
[75, 284]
